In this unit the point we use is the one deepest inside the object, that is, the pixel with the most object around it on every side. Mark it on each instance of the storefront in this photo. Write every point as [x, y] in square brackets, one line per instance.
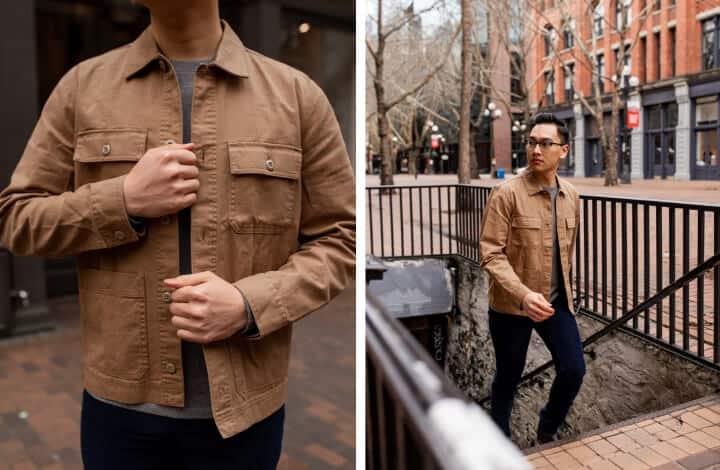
[705, 162]
[661, 119]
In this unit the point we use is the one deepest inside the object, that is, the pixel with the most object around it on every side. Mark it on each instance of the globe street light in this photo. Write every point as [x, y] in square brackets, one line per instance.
[492, 112]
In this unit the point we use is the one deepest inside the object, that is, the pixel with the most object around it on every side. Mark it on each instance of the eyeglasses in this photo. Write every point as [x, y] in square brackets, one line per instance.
[545, 144]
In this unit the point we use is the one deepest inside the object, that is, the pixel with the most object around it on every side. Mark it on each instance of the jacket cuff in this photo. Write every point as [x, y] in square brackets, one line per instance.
[520, 294]
[262, 297]
[250, 329]
[109, 214]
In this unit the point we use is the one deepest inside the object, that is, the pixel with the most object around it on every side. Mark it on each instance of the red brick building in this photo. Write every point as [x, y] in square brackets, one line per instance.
[674, 51]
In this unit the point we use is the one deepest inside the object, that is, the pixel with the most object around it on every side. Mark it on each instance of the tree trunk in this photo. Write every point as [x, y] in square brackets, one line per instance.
[474, 169]
[611, 176]
[465, 95]
[412, 161]
[387, 163]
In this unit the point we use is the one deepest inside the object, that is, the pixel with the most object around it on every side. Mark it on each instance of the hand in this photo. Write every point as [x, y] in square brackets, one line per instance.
[206, 308]
[162, 182]
[536, 307]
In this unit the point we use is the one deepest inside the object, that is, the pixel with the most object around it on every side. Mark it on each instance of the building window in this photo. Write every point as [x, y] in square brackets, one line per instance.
[569, 79]
[568, 34]
[656, 5]
[516, 73]
[598, 18]
[550, 40]
[622, 14]
[600, 68]
[658, 55]
[643, 60]
[710, 43]
[672, 52]
[706, 132]
[549, 89]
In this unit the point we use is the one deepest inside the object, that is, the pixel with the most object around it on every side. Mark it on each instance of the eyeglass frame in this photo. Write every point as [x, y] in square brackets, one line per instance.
[544, 144]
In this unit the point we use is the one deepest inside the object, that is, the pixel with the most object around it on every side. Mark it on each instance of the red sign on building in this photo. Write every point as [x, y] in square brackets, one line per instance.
[633, 118]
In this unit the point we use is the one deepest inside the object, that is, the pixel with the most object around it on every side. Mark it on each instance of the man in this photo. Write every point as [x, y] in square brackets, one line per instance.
[526, 245]
[185, 153]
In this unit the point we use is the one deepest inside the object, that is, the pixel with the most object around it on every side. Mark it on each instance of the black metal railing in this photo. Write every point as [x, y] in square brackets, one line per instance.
[627, 250]
[416, 418]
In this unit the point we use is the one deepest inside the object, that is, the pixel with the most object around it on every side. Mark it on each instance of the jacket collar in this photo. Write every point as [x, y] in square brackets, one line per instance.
[533, 186]
[230, 56]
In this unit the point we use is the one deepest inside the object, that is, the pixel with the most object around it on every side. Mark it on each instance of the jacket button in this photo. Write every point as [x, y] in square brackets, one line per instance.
[170, 367]
[169, 142]
[120, 236]
[106, 149]
[270, 165]
[166, 297]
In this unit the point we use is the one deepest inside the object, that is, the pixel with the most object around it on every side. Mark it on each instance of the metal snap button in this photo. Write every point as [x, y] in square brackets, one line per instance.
[169, 142]
[269, 165]
[120, 235]
[170, 367]
[106, 149]
[166, 297]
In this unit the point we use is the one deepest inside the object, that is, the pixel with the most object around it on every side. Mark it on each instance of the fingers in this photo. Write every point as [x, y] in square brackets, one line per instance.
[185, 323]
[187, 186]
[193, 337]
[188, 279]
[187, 294]
[188, 172]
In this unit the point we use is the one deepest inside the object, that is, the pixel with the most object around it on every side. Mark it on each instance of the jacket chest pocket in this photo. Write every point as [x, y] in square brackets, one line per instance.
[525, 231]
[264, 187]
[106, 153]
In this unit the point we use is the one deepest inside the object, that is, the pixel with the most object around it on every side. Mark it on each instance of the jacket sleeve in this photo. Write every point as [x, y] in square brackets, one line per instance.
[40, 211]
[493, 239]
[324, 263]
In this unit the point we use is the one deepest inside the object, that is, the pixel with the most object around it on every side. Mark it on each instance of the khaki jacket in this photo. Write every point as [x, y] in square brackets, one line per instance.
[516, 240]
[274, 216]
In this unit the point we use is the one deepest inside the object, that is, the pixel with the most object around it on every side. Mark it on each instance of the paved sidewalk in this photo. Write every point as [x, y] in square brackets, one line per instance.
[682, 438]
[40, 391]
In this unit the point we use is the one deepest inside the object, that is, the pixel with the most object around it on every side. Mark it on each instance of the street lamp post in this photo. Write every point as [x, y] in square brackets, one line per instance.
[492, 112]
[519, 126]
[628, 82]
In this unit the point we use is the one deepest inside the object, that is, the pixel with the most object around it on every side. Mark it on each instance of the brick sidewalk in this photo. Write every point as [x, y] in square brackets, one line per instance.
[40, 386]
[682, 438]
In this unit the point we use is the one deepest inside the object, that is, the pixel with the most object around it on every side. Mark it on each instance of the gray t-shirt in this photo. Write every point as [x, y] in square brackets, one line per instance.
[557, 285]
[197, 389]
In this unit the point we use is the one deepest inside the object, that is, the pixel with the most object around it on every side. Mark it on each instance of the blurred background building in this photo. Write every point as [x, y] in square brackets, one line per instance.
[42, 39]
[666, 54]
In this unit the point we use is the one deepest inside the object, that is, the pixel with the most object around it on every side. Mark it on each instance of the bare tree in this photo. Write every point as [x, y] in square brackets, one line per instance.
[465, 94]
[626, 31]
[385, 100]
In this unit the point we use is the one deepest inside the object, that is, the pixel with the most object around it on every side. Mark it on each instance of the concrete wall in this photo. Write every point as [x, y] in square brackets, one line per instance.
[627, 378]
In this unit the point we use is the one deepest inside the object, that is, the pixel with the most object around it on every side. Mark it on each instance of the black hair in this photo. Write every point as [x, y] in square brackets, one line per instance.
[550, 118]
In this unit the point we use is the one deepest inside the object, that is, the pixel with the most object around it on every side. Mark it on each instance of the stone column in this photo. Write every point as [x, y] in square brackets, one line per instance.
[637, 142]
[683, 132]
[579, 146]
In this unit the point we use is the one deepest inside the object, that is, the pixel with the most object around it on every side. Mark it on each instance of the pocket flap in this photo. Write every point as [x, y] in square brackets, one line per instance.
[526, 222]
[110, 145]
[570, 222]
[130, 285]
[264, 159]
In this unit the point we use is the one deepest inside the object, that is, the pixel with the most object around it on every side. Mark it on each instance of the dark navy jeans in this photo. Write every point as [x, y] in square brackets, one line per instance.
[511, 337]
[117, 438]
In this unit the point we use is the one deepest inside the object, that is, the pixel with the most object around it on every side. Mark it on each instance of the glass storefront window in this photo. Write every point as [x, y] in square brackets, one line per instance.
[654, 117]
[671, 118]
[707, 148]
[706, 110]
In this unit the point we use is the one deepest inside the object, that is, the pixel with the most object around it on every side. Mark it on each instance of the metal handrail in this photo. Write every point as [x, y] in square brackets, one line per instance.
[709, 264]
[446, 429]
